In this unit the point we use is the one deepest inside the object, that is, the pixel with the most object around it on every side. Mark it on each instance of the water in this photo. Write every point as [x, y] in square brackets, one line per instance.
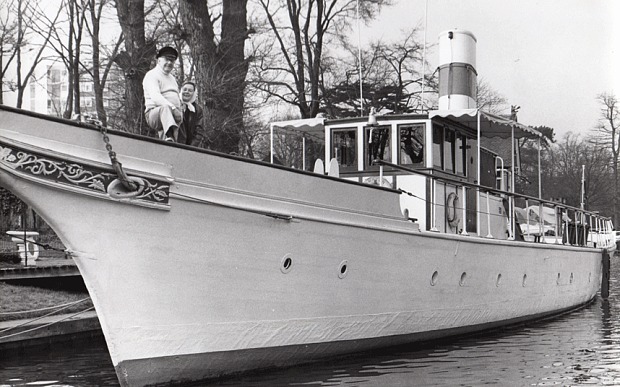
[581, 348]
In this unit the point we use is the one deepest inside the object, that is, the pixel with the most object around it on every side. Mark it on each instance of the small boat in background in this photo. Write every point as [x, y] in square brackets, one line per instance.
[202, 264]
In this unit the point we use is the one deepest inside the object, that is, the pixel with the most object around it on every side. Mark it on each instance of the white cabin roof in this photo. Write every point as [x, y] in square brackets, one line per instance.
[491, 125]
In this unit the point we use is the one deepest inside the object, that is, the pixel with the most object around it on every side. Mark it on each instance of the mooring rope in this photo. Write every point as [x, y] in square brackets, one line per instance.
[46, 246]
[46, 308]
[45, 325]
[42, 317]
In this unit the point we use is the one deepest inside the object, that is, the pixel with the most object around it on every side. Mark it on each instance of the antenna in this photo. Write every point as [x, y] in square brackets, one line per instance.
[583, 187]
[424, 53]
[359, 57]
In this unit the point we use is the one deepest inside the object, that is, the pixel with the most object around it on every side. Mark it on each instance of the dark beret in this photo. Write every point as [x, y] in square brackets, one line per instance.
[167, 51]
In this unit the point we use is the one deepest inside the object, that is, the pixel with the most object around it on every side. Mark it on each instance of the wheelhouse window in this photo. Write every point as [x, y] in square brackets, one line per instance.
[449, 150]
[461, 155]
[377, 144]
[438, 146]
[344, 147]
[411, 140]
[487, 168]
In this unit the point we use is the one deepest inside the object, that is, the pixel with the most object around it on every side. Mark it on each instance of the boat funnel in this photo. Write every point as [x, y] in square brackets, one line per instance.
[457, 70]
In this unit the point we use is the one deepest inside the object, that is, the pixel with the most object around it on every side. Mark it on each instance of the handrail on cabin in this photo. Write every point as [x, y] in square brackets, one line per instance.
[489, 189]
[599, 224]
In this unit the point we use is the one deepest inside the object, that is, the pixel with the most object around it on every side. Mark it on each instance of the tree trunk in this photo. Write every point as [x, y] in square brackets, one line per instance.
[95, 14]
[70, 63]
[220, 69]
[1, 79]
[135, 61]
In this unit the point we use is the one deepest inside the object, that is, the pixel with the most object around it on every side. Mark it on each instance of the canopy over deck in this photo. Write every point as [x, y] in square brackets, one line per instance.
[312, 126]
[491, 125]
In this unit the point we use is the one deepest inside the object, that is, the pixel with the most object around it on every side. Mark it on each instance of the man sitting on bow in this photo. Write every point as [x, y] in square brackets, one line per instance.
[161, 95]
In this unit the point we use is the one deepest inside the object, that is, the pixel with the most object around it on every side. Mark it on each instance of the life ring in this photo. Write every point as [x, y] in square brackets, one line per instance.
[452, 215]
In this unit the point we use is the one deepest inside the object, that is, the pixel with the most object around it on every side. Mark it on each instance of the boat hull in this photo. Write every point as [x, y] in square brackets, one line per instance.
[228, 265]
[213, 365]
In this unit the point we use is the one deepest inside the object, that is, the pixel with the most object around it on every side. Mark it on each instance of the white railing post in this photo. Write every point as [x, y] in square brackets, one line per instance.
[478, 228]
[464, 204]
[556, 229]
[527, 217]
[489, 234]
[576, 229]
[541, 221]
[433, 209]
[566, 234]
[513, 223]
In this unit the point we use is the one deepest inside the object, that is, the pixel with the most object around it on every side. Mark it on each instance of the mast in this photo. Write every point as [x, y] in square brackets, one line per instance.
[583, 187]
[359, 58]
[424, 54]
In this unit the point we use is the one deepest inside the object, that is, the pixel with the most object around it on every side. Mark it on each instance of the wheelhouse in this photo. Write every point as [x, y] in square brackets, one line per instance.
[451, 177]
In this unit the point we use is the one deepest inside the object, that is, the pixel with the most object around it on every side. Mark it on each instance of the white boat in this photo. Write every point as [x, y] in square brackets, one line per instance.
[217, 265]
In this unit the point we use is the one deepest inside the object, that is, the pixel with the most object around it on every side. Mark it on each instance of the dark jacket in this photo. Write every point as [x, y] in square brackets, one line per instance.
[191, 131]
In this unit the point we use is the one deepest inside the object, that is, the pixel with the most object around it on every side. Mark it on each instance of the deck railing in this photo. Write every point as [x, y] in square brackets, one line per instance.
[571, 225]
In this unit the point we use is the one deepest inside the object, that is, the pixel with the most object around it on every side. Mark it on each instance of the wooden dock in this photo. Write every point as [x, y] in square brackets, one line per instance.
[45, 268]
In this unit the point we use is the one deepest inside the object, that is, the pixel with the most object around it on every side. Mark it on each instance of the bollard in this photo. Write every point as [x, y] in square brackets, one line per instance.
[28, 251]
[606, 269]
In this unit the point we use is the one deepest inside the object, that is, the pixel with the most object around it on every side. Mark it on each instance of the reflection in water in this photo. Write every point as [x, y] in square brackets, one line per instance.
[81, 363]
[579, 348]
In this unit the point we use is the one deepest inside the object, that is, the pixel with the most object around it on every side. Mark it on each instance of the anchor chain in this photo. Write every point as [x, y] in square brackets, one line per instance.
[117, 165]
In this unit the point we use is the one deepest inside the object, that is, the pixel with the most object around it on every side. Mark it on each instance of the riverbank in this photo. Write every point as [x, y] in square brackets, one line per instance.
[21, 302]
[43, 311]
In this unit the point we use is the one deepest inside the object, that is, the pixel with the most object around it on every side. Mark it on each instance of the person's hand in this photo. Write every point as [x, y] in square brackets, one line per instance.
[176, 113]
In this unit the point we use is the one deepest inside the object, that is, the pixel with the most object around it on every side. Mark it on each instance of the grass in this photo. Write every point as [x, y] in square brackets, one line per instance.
[14, 298]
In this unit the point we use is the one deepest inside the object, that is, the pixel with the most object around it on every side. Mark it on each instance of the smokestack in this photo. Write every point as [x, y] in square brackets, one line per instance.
[457, 70]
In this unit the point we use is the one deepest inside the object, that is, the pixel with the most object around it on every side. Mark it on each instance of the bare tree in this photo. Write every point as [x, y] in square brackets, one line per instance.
[301, 30]
[100, 69]
[562, 173]
[392, 80]
[405, 60]
[607, 135]
[8, 41]
[67, 42]
[490, 100]
[135, 60]
[221, 66]
[29, 16]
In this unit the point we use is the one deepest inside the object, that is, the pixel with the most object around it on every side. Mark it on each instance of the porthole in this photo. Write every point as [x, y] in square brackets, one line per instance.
[558, 280]
[589, 277]
[343, 269]
[286, 264]
[524, 280]
[499, 279]
[463, 277]
[434, 278]
[571, 278]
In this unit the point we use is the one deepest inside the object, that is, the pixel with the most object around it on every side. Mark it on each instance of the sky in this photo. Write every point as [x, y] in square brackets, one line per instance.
[551, 57]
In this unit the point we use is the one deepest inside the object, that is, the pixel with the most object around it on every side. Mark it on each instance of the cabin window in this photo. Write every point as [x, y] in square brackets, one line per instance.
[377, 144]
[461, 155]
[449, 150]
[344, 145]
[438, 146]
[411, 144]
[487, 168]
